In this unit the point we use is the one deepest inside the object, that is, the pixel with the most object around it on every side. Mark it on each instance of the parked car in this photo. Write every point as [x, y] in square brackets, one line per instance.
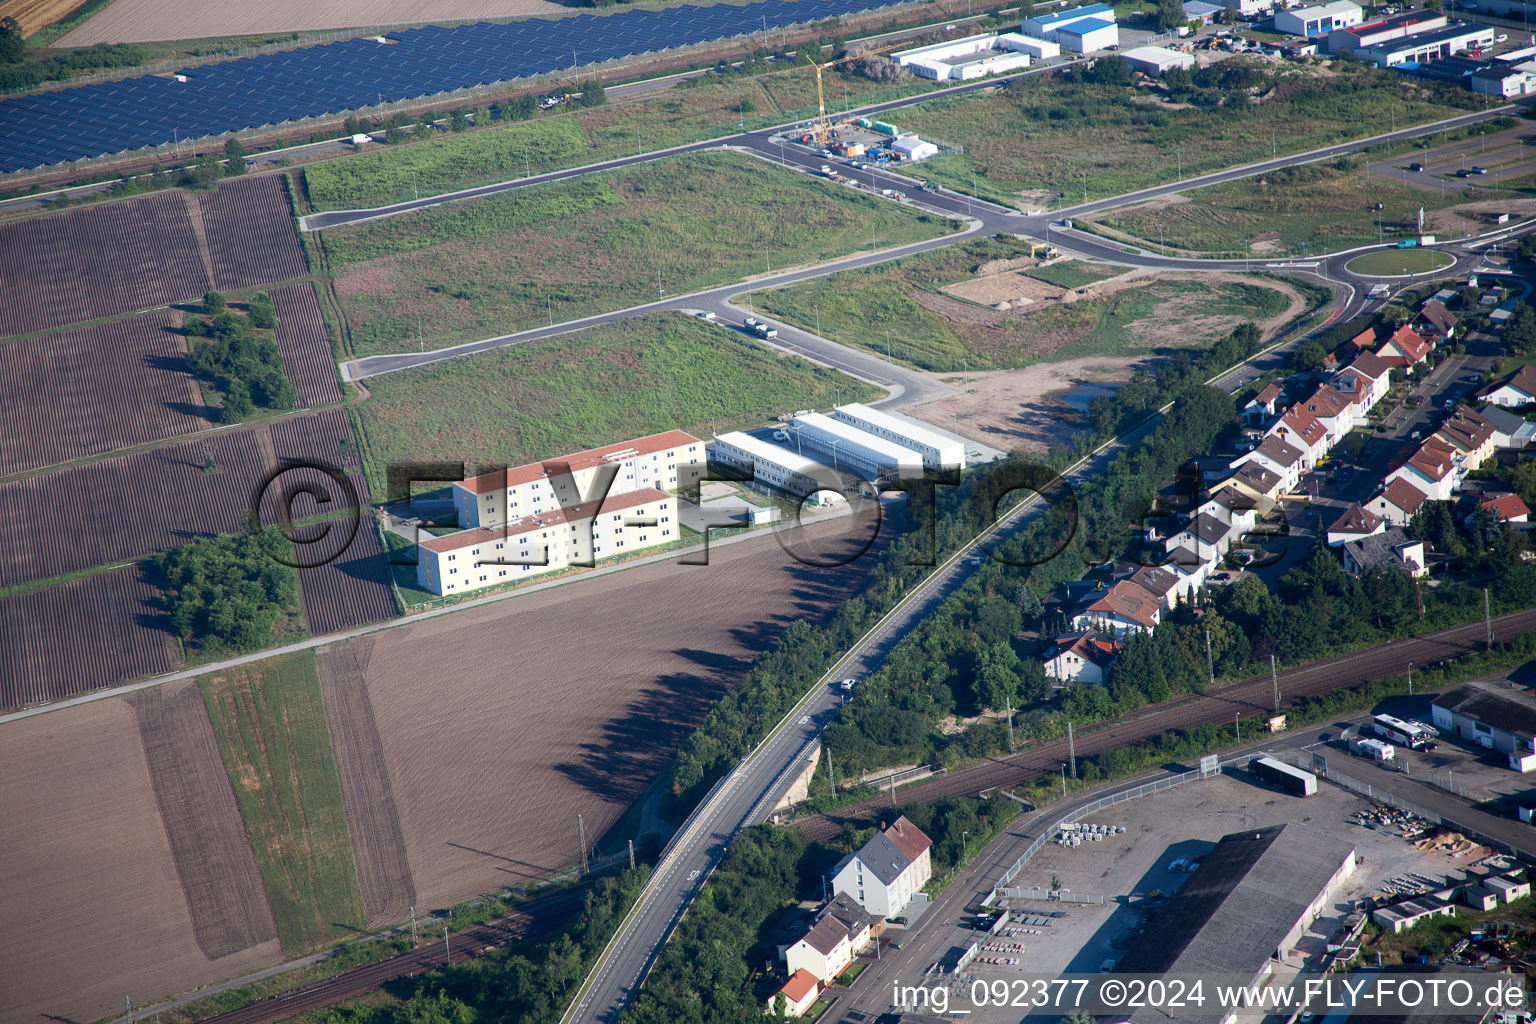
[897, 920]
[780, 435]
[1415, 167]
[1477, 169]
[1463, 173]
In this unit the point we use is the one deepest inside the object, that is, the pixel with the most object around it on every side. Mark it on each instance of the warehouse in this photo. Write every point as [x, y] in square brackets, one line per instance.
[1154, 60]
[1491, 714]
[1249, 901]
[913, 148]
[962, 60]
[939, 452]
[1319, 19]
[1089, 35]
[1046, 26]
[1502, 80]
[1371, 33]
[771, 464]
[561, 538]
[1457, 37]
[852, 450]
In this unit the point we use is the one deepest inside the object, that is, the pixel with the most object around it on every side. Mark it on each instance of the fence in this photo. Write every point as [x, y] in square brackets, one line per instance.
[1448, 783]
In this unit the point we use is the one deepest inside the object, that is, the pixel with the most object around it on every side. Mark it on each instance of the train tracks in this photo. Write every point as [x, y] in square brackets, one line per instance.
[1248, 698]
[472, 942]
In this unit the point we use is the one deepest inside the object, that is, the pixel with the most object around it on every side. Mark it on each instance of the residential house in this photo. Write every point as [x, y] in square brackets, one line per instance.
[1510, 432]
[1207, 537]
[1404, 348]
[1234, 505]
[799, 993]
[1471, 435]
[1367, 380]
[1507, 507]
[1080, 658]
[1260, 484]
[1123, 609]
[1355, 523]
[1435, 321]
[1517, 388]
[1280, 457]
[1431, 468]
[1263, 405]
[1397, 502]
[1193, 570]
[1390, 549]
[1162, 582]
[884, 874]
[1299, 428]
[824, 951]
[1334, 410]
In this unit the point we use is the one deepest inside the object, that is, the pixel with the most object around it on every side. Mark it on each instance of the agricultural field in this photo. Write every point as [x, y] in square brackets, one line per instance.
[983, 306]
[270, 722]
[558, 140]
[1314, 207]
[1042, 142]
[564, 725]
[626, 379]
[95, 389]
[137, 21]
[81, 635]
[252, 238]
[486, 267]
[86, 829]
[99, 261]
[306, 350]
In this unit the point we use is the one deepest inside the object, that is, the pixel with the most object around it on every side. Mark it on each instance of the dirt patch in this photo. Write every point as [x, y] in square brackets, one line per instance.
[1452, 220]
[83, 837]
[378, 844]
[368, 279]
[500, 724]
[147, 21]
[954, 309]
[32, 15]
[1010, 286]
[218, 872]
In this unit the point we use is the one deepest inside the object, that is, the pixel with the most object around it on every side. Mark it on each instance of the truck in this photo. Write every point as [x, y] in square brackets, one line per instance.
[361, 139]
[761, 329]
[1293, 780]
[827, 171]
[1375, 750]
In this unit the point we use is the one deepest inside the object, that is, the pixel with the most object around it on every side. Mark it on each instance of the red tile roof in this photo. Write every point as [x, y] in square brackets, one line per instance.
[1269, 394]
[1356, 520]
[1128, 601]
[909, 839]
[1433, 463]
[1404, 495]
[1100, 650]
[1365, 339]
[1406, 341]
[800, 985]
[1305, 424]
[511, 477]
[1506, 506]
[544, 520]
[1327, 403]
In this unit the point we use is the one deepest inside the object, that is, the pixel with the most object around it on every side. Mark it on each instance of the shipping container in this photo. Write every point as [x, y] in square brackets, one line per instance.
[1292, 780]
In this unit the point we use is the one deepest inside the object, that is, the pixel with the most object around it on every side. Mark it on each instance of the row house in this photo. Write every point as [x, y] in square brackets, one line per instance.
[1432, 469]
[1471, 434]
[1336, 411]
[1299, 428]
[830, 941]
[1397, 501]
[1280, 457]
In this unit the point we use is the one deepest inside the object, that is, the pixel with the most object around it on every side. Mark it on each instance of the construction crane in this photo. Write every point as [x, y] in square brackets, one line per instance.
[822, 129]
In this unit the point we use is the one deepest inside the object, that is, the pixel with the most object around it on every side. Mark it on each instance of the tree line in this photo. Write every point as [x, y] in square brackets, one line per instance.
[16, 72]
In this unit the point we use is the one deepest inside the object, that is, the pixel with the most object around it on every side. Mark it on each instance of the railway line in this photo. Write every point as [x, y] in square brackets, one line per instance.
[475, 941]
[1250, 697]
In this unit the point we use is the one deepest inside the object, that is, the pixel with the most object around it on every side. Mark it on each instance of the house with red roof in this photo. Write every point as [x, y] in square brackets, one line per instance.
[1337, 412]
[799, 993]
[1123, 609]
[1404, 348]
[1431, 468]
[1298, 427]
[1356, 522]
[1397, 502]
[1263, 405]
[1507, 507]
[1517, 388]
[1083, 657]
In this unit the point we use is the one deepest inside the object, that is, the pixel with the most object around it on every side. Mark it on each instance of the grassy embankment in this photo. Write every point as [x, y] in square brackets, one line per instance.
[486, 267]
[270, 722]
[902, 300]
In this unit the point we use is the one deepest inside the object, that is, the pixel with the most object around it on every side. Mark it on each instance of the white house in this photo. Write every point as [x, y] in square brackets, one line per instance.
[1080, 658]
[823, 952]
[1335, 411]
[1367, 380]
[1397, 502]
[1262, 405]
[1280, 457]
[1233, 505]
[1163, 582]
[1472, 435]
[885, 873]
[1299, 428]
[1517, 388]
[1432, 469]
[799, 993]
[1123, 609]
[1509, 430]
[1390, 549]
[1355, 523]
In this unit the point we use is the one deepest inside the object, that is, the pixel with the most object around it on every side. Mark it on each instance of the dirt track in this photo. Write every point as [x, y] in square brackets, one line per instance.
[378, 845]
[91, 906]
[500, 724]
[146, 21]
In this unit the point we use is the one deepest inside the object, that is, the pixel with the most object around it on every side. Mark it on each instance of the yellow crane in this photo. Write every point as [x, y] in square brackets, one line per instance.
[823, 126]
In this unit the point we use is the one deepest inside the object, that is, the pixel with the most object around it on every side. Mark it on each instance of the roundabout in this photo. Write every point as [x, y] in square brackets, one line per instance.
[1399, 262]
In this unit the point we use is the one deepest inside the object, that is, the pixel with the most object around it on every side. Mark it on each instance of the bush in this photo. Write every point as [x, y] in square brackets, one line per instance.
[226, 593]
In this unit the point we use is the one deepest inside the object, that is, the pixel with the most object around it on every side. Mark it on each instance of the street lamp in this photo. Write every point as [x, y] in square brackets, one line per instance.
[965, 847]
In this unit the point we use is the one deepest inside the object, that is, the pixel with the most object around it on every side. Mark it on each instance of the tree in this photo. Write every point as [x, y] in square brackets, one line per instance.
[214, 303]
[997, 676]
[458, 120]
[234, 154]
[1169, 15]
[1309, 357]
[13, 48]
[237, 402]
[434, 1008]
[208, 170]
[1112, 70]
[594, 95]
[261, 312]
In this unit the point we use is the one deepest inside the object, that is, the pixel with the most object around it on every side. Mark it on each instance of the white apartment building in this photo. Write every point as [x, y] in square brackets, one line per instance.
[885, 873]
[672, 461]
[582, 534]
[939, 451]
[784, 468]
[850, 449]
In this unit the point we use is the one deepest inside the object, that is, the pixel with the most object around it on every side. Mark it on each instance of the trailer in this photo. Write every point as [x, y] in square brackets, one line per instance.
[1277, 773]
[1376, 750]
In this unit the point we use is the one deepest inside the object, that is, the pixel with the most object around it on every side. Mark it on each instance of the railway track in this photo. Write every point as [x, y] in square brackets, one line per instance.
[476, 941]
[1248, 698]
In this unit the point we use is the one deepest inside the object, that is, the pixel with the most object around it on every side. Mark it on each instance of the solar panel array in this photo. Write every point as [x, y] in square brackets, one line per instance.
[273, 89]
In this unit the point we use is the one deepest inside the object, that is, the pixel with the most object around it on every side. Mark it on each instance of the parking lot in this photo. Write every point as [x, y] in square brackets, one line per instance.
[1142, 862]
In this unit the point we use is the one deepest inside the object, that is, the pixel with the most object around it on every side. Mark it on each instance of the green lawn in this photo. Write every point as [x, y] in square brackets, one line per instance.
[486, 267]
[1073, 273]
[625, 379]
[270, 723]
[901, 304]
[1400, 262]
[1308, 209]
[1041, 136]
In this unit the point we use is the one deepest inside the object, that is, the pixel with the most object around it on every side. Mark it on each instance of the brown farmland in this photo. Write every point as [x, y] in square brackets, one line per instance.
[80, 636]
[147, 21]
[251, 235]
[306, 350]
[97, 261]
[94, 908]
[499, 724]
[95, 389]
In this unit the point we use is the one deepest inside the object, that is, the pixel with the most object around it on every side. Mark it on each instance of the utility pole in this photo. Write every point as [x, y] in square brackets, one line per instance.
[1274, 679]
[1063, 780]
[581, 826]
[1072, 750]
[129, 1001]
[1237, 730]
[413, 927]
[831, 786]
[447, 952]
[1210, 664]
[1487, 618]
[1008, 702]
[1410, 679]
[631, 855]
